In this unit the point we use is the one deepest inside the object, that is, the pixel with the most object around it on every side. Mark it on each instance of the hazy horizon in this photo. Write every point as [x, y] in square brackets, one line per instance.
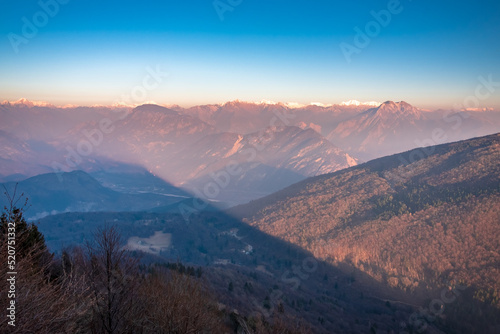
[433, 55]
[288, 104]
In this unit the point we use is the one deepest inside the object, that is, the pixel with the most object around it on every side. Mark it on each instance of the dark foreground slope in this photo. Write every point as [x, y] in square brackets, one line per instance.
[411, 221]
[258, 276]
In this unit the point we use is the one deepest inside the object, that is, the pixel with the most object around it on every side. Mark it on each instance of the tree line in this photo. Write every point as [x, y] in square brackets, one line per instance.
[103, 288]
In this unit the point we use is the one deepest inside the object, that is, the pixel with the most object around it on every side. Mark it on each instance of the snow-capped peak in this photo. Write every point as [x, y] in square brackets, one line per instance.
[28, 103]
[479, 109]
[294, 105]
[319, 104]
[357, 103]
[266, 102]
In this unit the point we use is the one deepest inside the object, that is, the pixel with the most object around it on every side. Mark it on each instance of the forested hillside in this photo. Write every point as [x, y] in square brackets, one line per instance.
[413, 221]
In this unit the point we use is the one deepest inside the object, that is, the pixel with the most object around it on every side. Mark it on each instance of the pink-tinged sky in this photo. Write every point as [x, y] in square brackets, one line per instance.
[431, 54]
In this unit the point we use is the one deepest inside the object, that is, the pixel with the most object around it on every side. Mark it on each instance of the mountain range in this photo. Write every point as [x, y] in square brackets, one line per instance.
[270, 145]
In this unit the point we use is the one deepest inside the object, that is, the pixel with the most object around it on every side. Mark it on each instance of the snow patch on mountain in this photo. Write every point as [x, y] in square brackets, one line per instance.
[235, 147]
[28, 103]
[358, 103]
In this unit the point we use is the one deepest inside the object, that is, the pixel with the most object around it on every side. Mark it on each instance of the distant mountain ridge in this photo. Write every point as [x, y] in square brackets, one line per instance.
[268, 160]
[397, 123]
[181, 148]
[184, 146]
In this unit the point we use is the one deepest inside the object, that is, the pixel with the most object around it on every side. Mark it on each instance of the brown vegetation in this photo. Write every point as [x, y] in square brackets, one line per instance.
[414, 224]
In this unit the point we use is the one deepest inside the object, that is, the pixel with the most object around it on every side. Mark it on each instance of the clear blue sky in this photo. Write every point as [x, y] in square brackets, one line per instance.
[92, 52]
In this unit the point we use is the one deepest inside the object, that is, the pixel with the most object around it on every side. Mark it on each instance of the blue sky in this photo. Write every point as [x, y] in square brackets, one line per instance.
[430, 54]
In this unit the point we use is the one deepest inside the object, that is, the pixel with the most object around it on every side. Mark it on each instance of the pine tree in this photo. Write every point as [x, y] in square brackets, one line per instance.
[13, 226]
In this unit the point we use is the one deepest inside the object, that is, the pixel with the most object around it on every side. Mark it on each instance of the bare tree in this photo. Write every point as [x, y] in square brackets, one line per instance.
[113, 280]
[178, 303]
[42, 304]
